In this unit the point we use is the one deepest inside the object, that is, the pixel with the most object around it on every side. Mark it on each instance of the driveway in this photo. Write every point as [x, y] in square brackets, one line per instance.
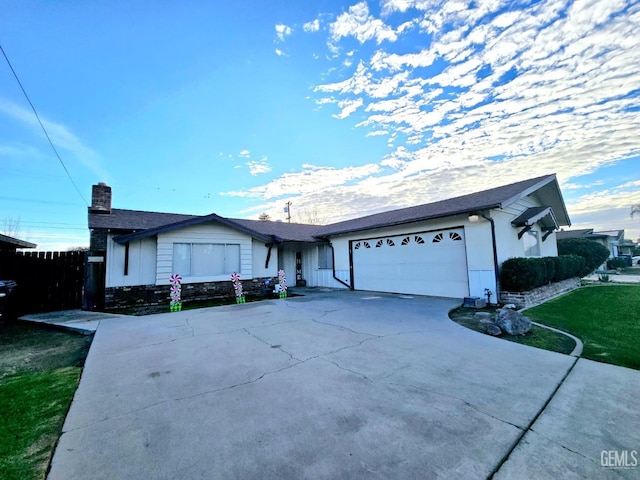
[334, 386]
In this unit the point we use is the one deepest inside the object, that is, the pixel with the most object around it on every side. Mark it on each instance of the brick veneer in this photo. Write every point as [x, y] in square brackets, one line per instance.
[118, 298]
[540, 294]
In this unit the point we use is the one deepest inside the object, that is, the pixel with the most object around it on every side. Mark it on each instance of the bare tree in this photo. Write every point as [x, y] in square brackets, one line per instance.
[310, 216]
[11, 228]
[265, 217]
[635, 209]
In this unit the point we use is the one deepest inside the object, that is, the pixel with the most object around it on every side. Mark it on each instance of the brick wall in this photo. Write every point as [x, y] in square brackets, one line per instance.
[117, 298]
[540, 294]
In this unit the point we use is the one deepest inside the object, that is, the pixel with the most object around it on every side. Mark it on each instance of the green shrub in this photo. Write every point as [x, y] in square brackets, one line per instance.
[560, 270]
[575, 265]
[594, 254]
[549, 269]
[614, 263]
[523, 274]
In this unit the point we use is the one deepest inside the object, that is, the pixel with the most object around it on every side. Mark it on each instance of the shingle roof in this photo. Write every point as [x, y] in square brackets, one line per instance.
[12, 242]
[495, 197]
[134, 220]
[135, 223]
[297, 232]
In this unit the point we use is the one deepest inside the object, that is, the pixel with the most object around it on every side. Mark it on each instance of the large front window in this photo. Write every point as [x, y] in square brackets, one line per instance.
[204, 259]
[531, 241]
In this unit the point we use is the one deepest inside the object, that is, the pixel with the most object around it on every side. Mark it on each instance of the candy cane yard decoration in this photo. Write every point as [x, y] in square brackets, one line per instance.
[237, 287]
[175, 292]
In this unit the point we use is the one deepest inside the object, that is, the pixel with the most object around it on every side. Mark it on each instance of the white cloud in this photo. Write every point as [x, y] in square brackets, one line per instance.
[61, 136]
[244, 153]
[541, 88]
[311, 179]
[348, 107]
[283, 31]
[279, 52]
[358, 23]
[312, 26]
[258, 167]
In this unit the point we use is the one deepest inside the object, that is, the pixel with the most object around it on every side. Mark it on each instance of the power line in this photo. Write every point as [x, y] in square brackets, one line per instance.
[42, 126]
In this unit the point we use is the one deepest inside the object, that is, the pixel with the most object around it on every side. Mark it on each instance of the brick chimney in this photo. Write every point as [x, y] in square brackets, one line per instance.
[101, 198]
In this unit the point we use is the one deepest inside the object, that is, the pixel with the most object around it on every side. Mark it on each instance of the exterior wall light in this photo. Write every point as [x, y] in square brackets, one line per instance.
[474, 218]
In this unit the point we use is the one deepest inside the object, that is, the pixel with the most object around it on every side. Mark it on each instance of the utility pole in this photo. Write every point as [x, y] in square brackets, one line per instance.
[287, 210]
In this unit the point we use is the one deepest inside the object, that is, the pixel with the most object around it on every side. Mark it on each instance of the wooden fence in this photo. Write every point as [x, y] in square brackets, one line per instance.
[46, 281]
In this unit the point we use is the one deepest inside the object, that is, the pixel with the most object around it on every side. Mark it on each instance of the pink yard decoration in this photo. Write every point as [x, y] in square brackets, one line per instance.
[282, 281]
[237, 287]
[175, 293]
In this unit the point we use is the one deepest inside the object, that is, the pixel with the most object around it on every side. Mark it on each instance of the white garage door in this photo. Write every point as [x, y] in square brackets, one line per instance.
[432, 263]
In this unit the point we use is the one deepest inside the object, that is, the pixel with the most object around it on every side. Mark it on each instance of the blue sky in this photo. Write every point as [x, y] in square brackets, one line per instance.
[342, 108]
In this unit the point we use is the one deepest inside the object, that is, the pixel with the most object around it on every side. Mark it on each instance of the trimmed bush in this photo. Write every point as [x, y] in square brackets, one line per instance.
[594, 254]
[614, 263]
[521, 274]
[524, 274]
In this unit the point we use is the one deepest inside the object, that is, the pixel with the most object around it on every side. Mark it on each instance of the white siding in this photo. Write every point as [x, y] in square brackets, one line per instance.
[204, 233]
[259, 253]
[142, 263]
[509, 245]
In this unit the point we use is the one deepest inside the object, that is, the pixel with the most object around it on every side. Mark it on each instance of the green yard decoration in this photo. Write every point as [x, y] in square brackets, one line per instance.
[175, 292]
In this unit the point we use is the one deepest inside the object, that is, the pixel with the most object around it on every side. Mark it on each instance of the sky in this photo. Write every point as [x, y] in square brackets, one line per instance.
[341, 108]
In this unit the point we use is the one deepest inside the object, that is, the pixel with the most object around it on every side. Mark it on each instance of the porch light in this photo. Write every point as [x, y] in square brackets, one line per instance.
[474, 217]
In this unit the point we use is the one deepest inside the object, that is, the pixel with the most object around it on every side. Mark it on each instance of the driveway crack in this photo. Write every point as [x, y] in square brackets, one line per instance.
[565, 447]
[348, 370]
[465, 402]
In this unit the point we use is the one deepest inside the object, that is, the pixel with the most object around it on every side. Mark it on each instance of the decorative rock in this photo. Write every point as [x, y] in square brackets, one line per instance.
[512, 322]
[487, 321]
[510, 306]
[482, 314]
[494, 330]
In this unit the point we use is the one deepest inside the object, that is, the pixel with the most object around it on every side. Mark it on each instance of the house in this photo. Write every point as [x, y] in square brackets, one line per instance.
[11, 244]
[613, 240]
[450, 248]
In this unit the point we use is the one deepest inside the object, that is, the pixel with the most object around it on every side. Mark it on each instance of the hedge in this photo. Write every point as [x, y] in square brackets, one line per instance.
[617, 263]
[593, 253]
[524, 274]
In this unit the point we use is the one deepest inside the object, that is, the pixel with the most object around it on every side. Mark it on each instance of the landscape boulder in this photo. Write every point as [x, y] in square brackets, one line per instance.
[512, 322]
[493, 329]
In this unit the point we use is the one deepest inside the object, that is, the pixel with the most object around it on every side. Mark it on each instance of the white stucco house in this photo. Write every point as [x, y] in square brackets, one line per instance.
[450, 248]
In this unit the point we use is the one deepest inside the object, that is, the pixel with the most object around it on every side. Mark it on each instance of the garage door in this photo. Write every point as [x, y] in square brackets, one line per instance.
[432, 263]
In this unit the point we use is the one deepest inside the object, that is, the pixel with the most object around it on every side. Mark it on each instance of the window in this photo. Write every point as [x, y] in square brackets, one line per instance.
[203, 259]
[405, 241]
[438, 238]
[531, 242]
[325, 257]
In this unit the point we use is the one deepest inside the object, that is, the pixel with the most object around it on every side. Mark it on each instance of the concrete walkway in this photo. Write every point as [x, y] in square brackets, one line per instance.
[337, 385]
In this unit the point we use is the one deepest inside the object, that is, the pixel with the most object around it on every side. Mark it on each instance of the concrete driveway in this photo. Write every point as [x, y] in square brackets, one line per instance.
[340, 385]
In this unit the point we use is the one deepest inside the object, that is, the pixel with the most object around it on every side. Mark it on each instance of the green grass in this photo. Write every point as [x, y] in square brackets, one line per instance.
[39, 373]
[606, 318]
[536, 337]
[33, 408]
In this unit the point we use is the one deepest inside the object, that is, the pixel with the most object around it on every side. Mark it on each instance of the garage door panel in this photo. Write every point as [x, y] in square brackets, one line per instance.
[419, 264]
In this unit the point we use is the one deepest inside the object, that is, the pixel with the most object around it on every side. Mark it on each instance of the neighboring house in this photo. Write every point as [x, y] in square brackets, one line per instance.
[10, 244]
[451, 248]
[613, 240]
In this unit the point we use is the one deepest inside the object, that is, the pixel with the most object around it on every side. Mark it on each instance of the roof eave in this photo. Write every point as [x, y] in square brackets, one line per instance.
[405, 222]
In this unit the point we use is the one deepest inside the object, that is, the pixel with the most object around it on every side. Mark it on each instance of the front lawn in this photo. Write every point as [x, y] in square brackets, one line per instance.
[606, 318]
[536, 337]
[39, 373]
